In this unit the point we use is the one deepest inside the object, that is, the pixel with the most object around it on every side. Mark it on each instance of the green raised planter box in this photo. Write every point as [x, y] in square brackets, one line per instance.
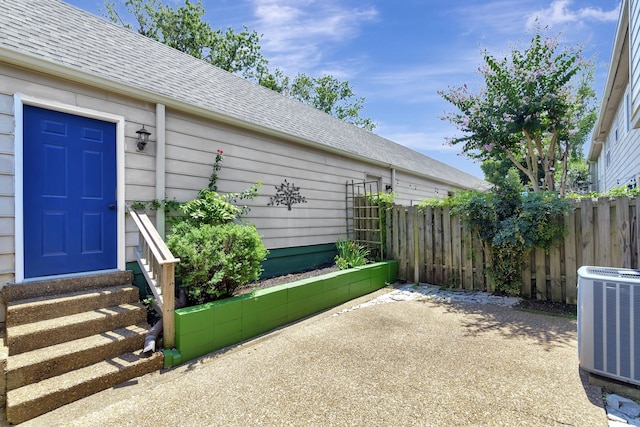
[219, 324]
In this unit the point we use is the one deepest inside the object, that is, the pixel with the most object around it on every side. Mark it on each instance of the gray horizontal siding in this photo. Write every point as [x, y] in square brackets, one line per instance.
[7, 202]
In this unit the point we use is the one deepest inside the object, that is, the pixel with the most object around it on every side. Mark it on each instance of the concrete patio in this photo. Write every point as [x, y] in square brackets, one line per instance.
[409, 363]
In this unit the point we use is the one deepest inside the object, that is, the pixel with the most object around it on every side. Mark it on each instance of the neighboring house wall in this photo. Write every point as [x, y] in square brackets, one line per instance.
[619, 161]
[615, 149]
[632, 9]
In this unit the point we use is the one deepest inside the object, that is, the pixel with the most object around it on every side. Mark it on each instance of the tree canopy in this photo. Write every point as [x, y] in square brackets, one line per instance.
[184, 28]
[536, 109]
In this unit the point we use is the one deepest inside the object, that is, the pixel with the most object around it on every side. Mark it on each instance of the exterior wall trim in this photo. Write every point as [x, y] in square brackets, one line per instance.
[22, 99]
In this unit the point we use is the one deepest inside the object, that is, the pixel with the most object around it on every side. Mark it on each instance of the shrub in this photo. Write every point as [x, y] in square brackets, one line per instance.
[216, 259]
[512, 223]
[350, 254]
[209, 208]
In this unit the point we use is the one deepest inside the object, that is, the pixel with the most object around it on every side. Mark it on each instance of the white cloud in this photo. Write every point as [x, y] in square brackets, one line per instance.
[560, 12]
[426, 141]
[297, 32]
[481, 19]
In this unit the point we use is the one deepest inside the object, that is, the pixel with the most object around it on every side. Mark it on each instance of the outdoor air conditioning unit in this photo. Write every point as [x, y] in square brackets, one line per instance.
[609, 322]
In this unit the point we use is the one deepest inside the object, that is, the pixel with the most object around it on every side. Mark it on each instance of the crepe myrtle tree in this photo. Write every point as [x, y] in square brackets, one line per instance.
[536, 106]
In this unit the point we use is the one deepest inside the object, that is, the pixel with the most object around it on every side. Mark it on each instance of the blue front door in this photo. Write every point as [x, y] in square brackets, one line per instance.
[70, 215]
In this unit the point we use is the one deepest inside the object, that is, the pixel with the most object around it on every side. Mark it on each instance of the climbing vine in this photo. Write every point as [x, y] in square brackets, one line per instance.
[511, 222]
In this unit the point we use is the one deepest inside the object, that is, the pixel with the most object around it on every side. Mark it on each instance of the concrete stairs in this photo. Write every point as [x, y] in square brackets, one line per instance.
[68, 338]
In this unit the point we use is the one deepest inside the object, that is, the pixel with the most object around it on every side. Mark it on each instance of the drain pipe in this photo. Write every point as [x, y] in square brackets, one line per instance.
[160, 166]
[156, 329]
[393, 179]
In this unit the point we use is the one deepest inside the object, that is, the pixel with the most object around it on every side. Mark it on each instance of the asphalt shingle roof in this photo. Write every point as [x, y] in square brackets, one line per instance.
[65, 36]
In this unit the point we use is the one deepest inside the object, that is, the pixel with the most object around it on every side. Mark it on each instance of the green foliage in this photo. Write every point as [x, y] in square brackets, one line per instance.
[384, 201]
[535, 111]
[213, 208]
[154, 205]
[217, 254]
[210, 208]
[511, 222]
[622, 191]
[217, 165]
[216, 259]
[578, 177]
[330, 95]
[185, 28]
[350, 254]
[458, 197]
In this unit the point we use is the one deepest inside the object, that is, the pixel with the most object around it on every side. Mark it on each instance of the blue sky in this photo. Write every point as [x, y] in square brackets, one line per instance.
[398, 54]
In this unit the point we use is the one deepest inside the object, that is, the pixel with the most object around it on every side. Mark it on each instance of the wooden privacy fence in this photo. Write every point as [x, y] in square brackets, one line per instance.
[432, 246]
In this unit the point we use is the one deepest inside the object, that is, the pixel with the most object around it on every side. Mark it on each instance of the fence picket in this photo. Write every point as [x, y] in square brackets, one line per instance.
[420, 261]
[540, 262]
[588, 232]
[457, 252]
[428, 245]
[526, 276]
[411, 256]
[435, 247]
[570, 263]
[467, 259]
[555, 273]
[604, 232]
[402, 230]
[479, 281]
[623, 231]
[446, 245]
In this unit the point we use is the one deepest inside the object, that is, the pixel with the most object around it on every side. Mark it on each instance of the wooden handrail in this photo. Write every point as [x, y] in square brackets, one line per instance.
[158, 266]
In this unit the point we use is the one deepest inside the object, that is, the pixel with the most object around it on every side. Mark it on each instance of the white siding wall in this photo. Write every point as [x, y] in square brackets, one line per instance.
[411, 189]
[7, 242]
[249, 157]
[622, 147]
[192, 143]
[634, 52]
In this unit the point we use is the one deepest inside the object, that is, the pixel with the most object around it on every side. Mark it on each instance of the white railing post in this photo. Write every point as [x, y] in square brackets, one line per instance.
[158, 266]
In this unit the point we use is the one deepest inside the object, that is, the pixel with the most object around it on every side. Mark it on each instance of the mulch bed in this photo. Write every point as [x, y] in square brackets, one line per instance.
[281, 280]
[547, 307]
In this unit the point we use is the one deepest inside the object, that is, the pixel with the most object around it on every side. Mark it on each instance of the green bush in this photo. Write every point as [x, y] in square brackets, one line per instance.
[210, 208]
[216, 259]
[511, 222]
[351, 254]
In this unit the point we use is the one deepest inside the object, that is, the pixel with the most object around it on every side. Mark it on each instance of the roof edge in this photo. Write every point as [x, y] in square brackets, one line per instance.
[15, 58]
[612, 76]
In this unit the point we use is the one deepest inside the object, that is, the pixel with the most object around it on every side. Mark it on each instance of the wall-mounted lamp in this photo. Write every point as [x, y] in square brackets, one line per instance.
[388, 188]
[143, 138]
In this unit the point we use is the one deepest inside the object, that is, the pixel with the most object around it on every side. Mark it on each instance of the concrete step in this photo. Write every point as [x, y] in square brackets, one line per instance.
[24, 311]
[37, 365]
[32, 336]
[33, 289]
[36, 399]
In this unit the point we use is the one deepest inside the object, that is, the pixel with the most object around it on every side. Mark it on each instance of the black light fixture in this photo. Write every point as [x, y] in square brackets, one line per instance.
[143, 138]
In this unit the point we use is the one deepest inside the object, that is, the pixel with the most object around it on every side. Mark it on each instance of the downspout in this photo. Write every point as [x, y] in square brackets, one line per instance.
[160, 166]
[393, 179]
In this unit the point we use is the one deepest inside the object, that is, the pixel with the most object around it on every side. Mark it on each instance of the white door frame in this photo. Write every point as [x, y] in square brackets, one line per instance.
[19, 100]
